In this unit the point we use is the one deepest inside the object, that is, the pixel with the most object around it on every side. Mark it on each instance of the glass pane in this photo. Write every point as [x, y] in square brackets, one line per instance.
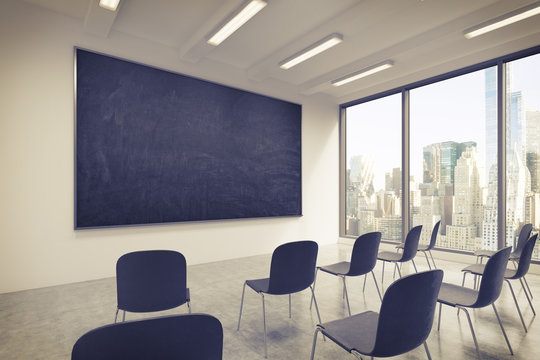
[522, 147]
[373, 155]
[453, 160]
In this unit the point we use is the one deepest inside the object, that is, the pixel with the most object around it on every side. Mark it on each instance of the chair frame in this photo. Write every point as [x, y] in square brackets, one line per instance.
[437, 277]
[523, 267]
[410, 248]
[356, 252]
[431, 245]
[272, 266]
[133, 255]
[500, 256]
[178, 336]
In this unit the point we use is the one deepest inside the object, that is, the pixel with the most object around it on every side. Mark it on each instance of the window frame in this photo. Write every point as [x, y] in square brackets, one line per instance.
[500, 64]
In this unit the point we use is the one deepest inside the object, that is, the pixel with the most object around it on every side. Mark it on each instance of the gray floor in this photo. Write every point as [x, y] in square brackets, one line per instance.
[45, 323]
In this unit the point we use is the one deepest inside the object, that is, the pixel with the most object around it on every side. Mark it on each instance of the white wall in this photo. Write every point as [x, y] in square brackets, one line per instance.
[38, 246]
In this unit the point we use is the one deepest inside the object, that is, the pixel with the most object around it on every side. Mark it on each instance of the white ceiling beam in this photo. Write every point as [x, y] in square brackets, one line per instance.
[99, 21]
[196, 47]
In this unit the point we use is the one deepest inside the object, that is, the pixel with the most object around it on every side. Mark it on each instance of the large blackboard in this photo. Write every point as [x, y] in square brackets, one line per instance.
[154, 146]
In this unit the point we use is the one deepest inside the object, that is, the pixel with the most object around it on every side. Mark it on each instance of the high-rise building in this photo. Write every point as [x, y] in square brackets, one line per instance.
[396, 180]
[533, 148]
[362, 173]
[440, 160]
[491, 120]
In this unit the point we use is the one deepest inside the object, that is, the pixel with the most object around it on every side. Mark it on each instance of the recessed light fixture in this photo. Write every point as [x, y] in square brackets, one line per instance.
[312, 50]
[363, 73]
[504, 20]
[240, 18]
[109, 4]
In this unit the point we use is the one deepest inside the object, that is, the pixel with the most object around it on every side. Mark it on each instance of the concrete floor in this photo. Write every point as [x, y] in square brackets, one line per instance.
[45, 323]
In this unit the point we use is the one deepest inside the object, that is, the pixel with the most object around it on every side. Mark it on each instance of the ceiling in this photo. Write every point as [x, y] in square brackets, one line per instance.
[424, 38]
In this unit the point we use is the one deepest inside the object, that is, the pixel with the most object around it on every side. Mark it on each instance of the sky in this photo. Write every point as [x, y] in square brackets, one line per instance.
[450, 110]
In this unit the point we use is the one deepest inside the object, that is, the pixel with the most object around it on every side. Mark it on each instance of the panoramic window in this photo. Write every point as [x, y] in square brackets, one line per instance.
[373, 177]
[522, 147]
[453, 146]
[453, 163]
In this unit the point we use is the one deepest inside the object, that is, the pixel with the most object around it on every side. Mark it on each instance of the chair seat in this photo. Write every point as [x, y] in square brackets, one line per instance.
[485, 253]
[478, 269]
[421, 247]
[356, 332]
[340, 268]
[389, 256]
[259, 285]
[453, 295]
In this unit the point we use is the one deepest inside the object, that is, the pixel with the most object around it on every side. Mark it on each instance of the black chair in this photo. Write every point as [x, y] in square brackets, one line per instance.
[490, 288]
[152, 280]
[403, 324]
[524, 235]
[187, 337]
[292, 270]
[363, 260]
[410, 247]
[511, 274]
[427, 248]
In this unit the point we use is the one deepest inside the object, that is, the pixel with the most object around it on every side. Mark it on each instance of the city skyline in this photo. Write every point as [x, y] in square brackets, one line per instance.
[453, 157]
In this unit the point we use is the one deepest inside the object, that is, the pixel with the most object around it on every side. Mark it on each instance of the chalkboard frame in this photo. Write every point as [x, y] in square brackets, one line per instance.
[290, 205]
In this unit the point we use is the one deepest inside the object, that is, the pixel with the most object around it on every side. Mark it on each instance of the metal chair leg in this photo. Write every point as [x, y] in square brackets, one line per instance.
[364, 288]
[517, 305]
[440, 311]
[290, 315]
[241, 305]
[463, 281]
[427, 351]
[432, 259]
[116, 314]
[189, 306]
[528, 299]
[124, 316]
[427, 259]
[376, 285]
[399, 271]
[502, 328]
[314, 282]
[382, 276]
[415, 269]
[346, 294]
[472, 331]
[316, 307]
[317, 330]
[528, 288]
[264, 326]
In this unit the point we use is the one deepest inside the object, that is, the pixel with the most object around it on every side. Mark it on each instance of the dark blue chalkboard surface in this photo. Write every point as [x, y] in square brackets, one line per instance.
[154, 147]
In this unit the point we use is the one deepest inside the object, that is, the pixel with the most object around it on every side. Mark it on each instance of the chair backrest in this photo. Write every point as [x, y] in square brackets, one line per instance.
[364, 253]
[525, 257]
[406, 314]
[411, 243]
[152, 280]
[524, 235]
[293, 267]
[186, 336]
[434, 234]
[492, 279]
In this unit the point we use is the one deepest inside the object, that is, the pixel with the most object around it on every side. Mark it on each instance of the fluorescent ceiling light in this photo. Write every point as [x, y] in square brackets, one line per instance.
[507, 19]
[247, 12]
[363, 73]
[310, 51]
[109, 4]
